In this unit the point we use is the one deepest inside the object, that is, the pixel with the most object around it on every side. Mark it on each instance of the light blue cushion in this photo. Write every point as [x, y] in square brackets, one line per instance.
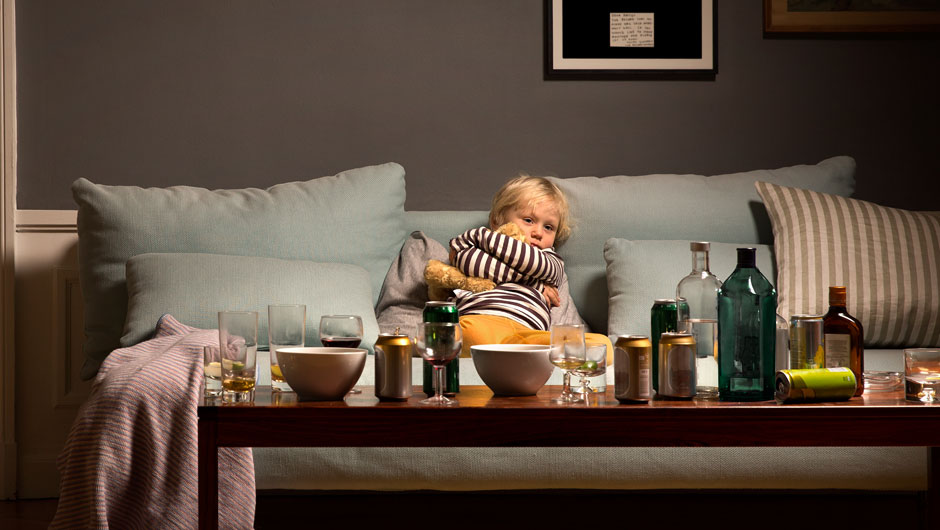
[353, 217]
[692, 207]
[639, 272]
[195, 287]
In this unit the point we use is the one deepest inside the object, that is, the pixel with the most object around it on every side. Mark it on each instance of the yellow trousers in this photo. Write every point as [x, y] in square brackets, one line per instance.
[492, 329]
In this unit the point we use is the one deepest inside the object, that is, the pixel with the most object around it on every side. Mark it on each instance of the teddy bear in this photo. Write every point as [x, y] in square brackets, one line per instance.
[443, 278]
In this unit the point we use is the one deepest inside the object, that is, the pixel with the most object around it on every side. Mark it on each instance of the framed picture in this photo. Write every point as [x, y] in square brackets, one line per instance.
[623, 39]
[795, 17]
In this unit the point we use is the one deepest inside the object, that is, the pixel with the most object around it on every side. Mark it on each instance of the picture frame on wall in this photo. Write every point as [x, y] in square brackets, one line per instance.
[630, 39]
[833, 17]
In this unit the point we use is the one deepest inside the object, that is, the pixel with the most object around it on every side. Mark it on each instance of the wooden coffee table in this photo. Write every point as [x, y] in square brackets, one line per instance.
[483, 420]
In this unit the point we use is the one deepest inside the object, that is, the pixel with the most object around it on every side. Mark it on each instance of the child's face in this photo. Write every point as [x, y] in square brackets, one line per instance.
[538, 222]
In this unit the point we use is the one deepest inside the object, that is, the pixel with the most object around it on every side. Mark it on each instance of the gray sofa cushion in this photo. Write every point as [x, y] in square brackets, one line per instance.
[356, 216]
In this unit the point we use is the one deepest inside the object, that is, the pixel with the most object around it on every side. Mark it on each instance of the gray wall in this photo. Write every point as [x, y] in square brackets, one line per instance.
[235, 93]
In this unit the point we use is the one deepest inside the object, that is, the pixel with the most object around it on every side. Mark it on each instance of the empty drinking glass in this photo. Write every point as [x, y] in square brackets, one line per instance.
[287, 326]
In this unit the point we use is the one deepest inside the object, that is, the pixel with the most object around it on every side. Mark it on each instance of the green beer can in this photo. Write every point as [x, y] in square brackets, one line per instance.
[814, 384]
[441, 312]
[663, 317]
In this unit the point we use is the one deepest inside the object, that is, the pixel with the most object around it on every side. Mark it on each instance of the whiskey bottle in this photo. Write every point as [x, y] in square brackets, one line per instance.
[844, 338]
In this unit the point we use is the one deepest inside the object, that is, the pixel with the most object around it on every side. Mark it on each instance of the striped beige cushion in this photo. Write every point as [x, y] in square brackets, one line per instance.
[888, 259]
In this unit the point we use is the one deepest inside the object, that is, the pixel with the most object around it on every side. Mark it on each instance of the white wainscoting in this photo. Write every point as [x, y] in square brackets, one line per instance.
[48, 345]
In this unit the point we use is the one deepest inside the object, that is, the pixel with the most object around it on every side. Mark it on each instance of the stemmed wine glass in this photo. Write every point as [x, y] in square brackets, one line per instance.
[568, 353]
[341, 331]
[439, 343]
[595, 364]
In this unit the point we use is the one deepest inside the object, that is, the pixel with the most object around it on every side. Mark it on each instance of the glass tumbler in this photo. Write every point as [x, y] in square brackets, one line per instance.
[922, 374]
[238, 342]
[287, 327]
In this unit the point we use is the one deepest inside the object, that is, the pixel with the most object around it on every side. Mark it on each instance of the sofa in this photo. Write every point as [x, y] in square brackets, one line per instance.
[337, 243]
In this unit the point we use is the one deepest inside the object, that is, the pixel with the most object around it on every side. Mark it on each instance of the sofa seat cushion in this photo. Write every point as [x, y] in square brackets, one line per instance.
[356, 216]
[724, 208]
[195, 287]
[635, 468]
[888, 259]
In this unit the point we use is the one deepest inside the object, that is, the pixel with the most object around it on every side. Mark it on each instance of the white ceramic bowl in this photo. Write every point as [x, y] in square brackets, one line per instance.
[321, 374]
[512, 369]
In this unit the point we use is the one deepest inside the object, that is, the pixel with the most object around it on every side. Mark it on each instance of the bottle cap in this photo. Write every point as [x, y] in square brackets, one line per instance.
[837, 295]
[699, 246]
[747, 257]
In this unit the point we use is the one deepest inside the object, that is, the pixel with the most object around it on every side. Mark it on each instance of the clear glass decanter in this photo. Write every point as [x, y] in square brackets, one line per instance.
[699, 316]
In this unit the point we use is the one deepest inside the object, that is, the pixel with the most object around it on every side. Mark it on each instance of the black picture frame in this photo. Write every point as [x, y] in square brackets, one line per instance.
[630, 39]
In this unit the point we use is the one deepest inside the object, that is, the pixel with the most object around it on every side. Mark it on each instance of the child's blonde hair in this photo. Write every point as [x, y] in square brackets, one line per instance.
[527, 191]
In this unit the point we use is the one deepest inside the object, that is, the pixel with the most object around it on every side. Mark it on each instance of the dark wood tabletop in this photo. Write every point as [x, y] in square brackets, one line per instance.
[485, 420]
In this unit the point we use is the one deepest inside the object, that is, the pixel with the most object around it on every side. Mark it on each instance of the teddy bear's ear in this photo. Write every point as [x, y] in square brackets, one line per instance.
[512, 230]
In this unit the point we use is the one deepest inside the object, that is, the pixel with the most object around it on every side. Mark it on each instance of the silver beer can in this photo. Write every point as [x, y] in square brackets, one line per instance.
[807, 342]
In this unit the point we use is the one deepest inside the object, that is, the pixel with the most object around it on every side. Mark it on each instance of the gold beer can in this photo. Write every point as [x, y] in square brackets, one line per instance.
[633, 363]
[676, 366]
[393, 352]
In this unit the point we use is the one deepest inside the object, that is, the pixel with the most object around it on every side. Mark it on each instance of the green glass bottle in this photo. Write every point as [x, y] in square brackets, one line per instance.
[747, 321]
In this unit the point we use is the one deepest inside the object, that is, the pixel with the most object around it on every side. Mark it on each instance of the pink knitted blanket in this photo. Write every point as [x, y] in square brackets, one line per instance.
[130, 460]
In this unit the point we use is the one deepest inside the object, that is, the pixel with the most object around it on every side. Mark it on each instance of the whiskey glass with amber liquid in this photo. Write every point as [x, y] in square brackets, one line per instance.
[238, 345]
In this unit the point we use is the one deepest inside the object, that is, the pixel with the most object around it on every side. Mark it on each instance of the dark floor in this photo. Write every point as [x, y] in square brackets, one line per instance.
[517, 510]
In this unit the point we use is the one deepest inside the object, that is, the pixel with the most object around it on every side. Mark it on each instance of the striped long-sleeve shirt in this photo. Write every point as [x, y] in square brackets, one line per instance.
[520, 271]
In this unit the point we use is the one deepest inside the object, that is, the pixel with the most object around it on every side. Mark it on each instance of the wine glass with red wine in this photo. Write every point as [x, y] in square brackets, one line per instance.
[341, 331]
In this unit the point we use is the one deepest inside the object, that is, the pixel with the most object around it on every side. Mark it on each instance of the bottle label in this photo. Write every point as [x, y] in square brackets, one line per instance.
[838, 349]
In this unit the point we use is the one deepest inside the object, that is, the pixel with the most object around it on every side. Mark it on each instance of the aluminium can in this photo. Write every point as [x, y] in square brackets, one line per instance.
[664, 317]
[676, 365]
[807, 342]
[817, 384]
[633, 369]
[393, 353]
[441, 312]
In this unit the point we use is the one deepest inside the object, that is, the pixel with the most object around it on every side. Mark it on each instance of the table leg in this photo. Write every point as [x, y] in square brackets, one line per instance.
[208, 475]
[932, 509]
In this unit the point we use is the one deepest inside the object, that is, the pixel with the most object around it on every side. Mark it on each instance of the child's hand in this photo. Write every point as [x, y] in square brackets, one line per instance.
[551, 296]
